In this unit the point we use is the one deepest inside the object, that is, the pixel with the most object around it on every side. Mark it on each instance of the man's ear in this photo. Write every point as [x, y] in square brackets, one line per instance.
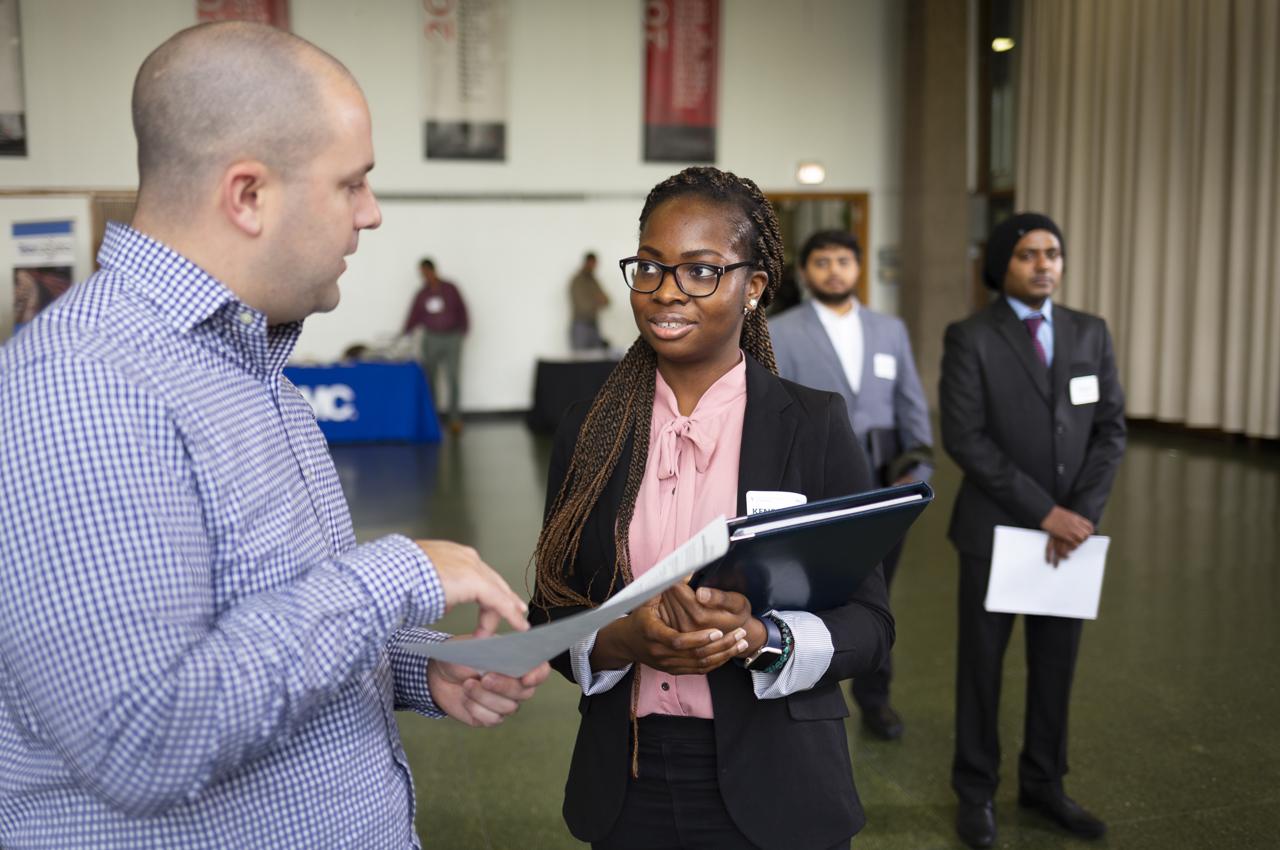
[242, 195]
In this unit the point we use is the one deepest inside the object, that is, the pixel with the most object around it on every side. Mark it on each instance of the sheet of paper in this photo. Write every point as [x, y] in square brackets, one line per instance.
[516, 653]
[1023, 583]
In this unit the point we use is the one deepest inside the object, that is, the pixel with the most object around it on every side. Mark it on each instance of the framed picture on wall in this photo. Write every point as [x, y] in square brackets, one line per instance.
[13, 108]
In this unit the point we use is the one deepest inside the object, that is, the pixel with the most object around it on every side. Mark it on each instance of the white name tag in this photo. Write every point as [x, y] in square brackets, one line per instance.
[759, 501]
[1084, 390]
[435, 304]
[885, 366]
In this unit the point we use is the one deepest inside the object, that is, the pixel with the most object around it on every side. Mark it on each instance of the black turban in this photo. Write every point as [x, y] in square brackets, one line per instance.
[1004, 238]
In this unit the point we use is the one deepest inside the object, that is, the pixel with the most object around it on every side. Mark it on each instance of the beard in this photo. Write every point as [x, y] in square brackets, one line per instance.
[832, 299]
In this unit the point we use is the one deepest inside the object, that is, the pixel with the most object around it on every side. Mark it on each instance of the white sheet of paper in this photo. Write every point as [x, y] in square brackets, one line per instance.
[517, 653]
[1023, 583]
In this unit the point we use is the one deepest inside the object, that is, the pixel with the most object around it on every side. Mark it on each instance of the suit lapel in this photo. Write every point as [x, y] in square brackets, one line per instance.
[1064, 342]
[830, 359]
[869, 345]
[768, 429]
[1015, 334]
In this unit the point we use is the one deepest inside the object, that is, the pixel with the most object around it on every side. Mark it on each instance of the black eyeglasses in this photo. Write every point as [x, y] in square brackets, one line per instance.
[697, 280]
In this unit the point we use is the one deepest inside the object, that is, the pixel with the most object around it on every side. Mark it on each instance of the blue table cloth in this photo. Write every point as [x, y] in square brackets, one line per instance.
[369, 402]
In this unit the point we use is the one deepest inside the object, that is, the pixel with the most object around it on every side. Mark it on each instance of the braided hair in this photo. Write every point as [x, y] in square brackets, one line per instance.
[624, 406]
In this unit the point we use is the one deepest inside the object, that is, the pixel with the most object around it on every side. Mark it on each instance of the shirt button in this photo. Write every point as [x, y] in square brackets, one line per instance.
[246, 318]
[666, 686]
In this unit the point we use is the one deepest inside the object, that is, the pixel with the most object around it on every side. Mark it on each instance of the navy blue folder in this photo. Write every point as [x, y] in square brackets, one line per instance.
[818, 560]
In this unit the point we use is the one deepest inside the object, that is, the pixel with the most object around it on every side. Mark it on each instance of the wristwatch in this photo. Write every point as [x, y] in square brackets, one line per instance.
[770, 651]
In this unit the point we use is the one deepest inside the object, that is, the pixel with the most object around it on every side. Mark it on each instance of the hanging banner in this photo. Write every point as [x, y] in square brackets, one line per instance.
[43, 268]
[465, 54]
[682, 57]
[273, 12]
[13, 109]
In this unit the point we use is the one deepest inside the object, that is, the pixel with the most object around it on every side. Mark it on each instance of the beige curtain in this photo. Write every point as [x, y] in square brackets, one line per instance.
[1150, 130]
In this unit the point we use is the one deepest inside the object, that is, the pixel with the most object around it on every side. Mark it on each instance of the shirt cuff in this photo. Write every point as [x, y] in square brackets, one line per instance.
[400, 578]
[810, 657]
[409, 670]
[597, 682]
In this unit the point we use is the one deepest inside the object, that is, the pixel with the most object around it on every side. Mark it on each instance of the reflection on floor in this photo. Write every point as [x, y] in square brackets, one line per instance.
[1174, 733]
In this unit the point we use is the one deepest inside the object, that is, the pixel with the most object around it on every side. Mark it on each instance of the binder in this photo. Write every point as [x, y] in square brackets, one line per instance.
[812, 557]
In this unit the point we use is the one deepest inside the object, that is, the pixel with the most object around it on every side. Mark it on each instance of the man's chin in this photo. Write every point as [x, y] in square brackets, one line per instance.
[831, 299]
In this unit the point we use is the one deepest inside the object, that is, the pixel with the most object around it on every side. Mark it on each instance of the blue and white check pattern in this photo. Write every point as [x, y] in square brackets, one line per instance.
[194, 652]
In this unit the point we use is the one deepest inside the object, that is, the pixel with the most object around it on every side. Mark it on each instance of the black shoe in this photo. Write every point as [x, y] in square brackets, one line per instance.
[883, 722]
[1068, 814]
[976, 823]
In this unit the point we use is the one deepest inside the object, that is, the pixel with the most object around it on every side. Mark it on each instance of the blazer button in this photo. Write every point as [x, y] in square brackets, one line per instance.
[1061, 430]
[1062, 468]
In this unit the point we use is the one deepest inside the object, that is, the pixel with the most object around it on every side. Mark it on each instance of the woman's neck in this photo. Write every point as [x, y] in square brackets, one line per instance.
[690, 381]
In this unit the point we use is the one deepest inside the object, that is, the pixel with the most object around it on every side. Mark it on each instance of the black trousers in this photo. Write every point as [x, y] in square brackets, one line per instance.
[1052, 646]
[872, 690]
[675, 804]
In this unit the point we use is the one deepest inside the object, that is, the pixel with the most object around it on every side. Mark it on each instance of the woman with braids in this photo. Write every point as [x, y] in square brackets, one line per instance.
[702, 726]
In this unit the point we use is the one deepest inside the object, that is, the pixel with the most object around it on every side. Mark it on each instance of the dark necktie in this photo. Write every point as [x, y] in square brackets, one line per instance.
[1033, 323]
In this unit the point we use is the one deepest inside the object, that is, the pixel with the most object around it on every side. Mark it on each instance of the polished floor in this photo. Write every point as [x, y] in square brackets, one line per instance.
[1175, 726]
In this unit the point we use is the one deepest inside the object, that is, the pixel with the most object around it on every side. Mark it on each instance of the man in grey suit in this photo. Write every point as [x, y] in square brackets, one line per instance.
[1033, 413]
[831, 342]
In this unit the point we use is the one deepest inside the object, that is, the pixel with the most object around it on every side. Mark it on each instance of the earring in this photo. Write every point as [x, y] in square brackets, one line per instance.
[751, 305]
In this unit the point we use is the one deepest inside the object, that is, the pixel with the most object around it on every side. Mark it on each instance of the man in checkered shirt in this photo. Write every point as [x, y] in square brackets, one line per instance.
[194, 652]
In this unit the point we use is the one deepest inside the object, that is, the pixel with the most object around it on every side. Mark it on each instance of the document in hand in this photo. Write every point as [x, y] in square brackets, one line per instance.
[517, 653]
[1022, 582]
[813, 557]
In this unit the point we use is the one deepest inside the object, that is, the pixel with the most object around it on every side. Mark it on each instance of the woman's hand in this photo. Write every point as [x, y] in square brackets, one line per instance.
[688, 610]
[644, 637]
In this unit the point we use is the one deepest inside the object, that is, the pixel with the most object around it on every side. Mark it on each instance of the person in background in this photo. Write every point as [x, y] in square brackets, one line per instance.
[438, 309]
[194, 650]
[834, 343]
[1033, 413]
[588, 299]
[703, 725]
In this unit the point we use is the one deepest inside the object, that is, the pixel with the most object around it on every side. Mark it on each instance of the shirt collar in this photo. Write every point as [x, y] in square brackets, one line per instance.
[1022, 311]
[826, 314]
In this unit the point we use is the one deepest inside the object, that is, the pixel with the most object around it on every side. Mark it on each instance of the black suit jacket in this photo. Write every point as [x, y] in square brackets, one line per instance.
[785, 774]
[1010, 424]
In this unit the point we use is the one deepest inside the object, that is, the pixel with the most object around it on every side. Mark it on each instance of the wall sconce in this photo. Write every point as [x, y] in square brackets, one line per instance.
[810, 173]
[1002, 45]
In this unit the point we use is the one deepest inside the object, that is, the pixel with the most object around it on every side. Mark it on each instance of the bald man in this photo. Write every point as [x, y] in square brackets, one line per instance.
[194, 652]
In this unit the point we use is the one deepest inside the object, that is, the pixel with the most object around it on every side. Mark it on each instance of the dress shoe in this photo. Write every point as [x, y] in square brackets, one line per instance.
[1068, 814]
[883, 722]
[976, 823]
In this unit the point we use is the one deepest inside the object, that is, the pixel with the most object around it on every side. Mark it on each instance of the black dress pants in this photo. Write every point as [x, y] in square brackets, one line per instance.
[1052, 646]
[675, 803]
[872, 690]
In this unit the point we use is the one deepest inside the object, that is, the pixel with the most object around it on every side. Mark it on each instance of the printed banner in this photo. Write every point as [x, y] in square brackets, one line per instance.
[13, 109]
[682, 55]
[465, 54]
[273, 12]
[43, 268]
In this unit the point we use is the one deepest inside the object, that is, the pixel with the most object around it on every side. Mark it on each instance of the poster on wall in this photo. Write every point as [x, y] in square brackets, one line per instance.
[43, 268]
[682, 56]
[13, 109]
[273, 12]
[465, 52]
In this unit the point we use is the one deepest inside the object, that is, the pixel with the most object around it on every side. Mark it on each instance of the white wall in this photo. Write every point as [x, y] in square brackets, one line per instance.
[808, 79]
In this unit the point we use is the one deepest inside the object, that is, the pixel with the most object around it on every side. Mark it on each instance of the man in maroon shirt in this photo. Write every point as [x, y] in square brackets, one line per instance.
[439, 310]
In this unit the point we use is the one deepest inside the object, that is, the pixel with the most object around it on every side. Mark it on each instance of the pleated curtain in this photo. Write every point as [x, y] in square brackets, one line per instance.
[1150, 130]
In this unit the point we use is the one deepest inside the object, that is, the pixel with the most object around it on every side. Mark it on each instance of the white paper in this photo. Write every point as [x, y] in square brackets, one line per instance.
[759, 501]
[517, 653]
[1022, 582]
[1084, 390]
[885, 366]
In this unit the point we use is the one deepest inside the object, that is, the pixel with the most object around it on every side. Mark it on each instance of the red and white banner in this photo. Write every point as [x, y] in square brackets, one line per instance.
[465, 63]
[273, 12]
[13, 109]
[682, 58]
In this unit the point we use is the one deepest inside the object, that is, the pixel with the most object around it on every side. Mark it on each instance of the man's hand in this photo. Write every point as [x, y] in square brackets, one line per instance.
[480, 700]
[1067, 530]
[644, 637]
[1057, 550]
[465, 578]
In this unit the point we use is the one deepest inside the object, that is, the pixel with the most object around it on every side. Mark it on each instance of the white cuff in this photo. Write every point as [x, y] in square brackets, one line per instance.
[810, 657]
[599, 682]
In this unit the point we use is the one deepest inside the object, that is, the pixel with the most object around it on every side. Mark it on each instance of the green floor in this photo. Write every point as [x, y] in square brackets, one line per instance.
[1175, 727]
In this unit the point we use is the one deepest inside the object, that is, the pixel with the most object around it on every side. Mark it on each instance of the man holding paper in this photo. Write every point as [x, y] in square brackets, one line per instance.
[1033, 413]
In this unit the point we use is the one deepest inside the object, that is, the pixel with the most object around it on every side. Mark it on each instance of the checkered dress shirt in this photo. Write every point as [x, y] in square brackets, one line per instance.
[194, 652]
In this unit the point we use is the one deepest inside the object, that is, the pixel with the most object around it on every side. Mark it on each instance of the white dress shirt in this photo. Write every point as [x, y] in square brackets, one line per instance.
[845, 333]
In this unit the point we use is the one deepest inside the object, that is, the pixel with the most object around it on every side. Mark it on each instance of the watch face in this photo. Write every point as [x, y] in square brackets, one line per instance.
[764, 658]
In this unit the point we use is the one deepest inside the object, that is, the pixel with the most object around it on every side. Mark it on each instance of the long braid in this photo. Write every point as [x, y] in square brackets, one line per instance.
[624, 406]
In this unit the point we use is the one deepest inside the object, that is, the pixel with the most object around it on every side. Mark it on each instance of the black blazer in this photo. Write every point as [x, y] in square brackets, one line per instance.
[785, 774]
[1010, 424]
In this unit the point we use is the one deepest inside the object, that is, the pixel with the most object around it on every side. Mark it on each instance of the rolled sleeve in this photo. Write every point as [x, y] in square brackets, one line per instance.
[413, 691]
[810, 657]
[592, 682]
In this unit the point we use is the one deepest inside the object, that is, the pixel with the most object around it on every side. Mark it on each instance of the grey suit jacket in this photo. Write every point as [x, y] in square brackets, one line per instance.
[805, 355]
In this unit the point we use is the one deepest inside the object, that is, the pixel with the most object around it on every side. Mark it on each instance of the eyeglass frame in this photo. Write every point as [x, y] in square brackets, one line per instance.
[721, 271]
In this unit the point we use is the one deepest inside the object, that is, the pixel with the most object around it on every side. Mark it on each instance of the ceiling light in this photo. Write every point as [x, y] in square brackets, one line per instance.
[810, 173]
[1002, 45]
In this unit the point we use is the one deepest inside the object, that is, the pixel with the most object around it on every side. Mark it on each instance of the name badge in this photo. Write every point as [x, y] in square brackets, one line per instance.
[885, 366]
[435, 304]
[759, 501]
[1084, 390]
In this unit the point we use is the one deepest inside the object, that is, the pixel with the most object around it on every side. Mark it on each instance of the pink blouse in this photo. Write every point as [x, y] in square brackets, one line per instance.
[690, 478]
